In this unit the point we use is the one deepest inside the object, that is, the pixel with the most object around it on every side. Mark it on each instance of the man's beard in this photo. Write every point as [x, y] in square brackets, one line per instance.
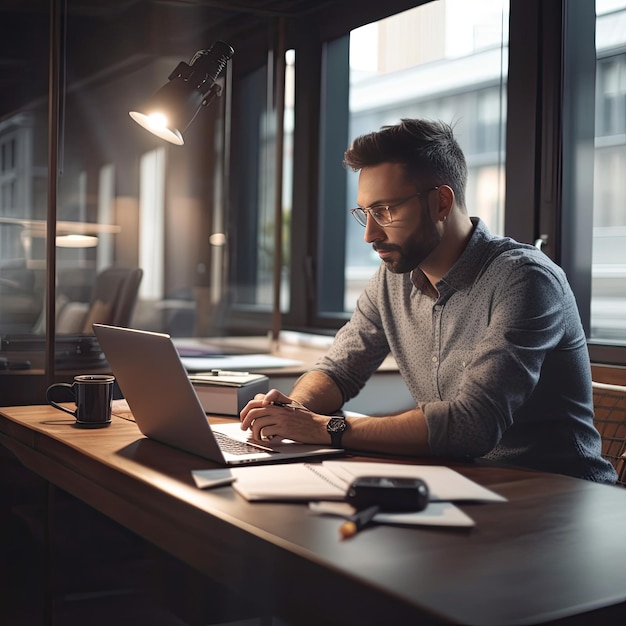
[413, 253]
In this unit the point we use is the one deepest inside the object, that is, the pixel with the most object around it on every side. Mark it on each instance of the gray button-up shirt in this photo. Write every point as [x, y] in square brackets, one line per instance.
[497, 359]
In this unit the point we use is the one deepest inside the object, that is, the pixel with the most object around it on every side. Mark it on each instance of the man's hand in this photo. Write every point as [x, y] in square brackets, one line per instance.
[275, 415]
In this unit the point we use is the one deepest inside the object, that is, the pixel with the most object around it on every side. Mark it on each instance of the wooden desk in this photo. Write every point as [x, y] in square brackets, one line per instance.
[554, 551]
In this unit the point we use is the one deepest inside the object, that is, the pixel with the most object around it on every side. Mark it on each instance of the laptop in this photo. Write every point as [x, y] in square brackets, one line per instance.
[165, 406]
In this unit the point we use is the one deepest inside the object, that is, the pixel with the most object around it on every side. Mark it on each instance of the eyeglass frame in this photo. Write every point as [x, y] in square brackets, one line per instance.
[358, 211]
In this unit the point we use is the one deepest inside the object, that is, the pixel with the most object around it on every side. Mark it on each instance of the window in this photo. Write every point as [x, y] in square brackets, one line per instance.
[255, 150]
[151, 222]
[608, 295]
[15, 170]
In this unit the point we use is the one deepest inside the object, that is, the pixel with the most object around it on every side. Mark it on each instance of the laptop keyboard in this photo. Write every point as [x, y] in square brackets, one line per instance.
[234, 446]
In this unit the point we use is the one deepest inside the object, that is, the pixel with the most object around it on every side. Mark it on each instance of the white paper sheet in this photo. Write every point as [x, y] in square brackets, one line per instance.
[435, 514]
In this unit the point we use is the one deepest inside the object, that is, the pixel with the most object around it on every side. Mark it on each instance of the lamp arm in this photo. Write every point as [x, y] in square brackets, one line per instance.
[210, 63]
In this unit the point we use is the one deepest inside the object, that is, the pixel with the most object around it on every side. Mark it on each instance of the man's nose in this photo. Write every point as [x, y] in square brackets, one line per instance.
[373, 230]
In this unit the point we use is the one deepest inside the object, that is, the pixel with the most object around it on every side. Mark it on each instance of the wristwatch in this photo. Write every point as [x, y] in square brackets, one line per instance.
[335, 427]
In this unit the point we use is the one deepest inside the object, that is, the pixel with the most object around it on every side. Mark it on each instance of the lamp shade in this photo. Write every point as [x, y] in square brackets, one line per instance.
[170, 110]
[173, 107]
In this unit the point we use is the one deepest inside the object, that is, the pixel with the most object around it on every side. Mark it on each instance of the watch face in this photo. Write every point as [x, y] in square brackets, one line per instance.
[336, 425]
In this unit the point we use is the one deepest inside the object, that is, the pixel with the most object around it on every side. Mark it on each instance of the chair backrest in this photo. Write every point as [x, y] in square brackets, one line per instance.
[609, 402]
[114, 297]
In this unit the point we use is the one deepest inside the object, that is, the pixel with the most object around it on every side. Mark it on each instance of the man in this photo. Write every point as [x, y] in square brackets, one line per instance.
[485, 330]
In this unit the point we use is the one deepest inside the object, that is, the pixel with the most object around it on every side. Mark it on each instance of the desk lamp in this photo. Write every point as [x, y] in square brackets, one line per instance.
[170, 110]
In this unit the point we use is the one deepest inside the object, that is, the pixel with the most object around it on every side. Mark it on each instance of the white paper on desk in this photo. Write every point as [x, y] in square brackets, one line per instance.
[435, 514]
[237, 362]
[444, 483]
[329, 480]
[288, 482]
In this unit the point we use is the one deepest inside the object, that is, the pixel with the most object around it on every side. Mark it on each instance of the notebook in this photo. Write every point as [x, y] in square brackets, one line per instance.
[165, 406]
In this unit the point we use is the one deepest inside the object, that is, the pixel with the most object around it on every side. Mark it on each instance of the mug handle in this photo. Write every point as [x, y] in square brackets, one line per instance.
[55, 404]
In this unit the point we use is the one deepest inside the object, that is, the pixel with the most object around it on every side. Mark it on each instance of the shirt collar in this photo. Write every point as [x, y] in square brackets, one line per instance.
[464, 272]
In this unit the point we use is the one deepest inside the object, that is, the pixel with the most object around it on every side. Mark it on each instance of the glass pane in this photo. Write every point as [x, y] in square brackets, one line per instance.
[443, 60]
[23, 202]
[126, 199]
[608, 299]
[255, 148]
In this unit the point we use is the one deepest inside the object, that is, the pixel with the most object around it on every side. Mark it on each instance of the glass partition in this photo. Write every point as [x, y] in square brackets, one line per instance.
[139, 222]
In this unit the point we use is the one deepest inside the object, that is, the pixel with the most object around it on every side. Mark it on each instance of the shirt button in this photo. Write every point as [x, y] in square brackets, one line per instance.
[433, 359]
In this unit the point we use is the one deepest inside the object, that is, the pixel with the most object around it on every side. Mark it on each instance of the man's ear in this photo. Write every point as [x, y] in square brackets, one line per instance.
[445, 195]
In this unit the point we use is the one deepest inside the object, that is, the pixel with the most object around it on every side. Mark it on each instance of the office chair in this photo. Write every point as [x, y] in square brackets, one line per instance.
[609, 403]
[112, 302]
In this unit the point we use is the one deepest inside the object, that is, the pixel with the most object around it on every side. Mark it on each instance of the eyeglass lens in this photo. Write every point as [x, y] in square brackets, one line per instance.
[380, 214]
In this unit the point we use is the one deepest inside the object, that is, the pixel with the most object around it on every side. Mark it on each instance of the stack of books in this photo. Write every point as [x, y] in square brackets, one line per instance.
[226, 393]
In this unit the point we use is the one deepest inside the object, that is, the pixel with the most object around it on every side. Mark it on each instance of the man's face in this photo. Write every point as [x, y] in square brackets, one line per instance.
[412, 236]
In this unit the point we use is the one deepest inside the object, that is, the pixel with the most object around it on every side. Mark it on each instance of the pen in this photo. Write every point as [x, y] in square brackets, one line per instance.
[294, 404]
[358, 521]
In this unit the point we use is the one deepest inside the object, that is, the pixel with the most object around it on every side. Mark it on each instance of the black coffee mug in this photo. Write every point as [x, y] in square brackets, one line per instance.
[93, 395]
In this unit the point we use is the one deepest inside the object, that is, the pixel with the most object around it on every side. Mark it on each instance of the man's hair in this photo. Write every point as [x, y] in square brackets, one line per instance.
[427, 149]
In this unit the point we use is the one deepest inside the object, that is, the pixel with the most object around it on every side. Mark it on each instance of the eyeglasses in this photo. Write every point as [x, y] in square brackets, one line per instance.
[382, 213]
